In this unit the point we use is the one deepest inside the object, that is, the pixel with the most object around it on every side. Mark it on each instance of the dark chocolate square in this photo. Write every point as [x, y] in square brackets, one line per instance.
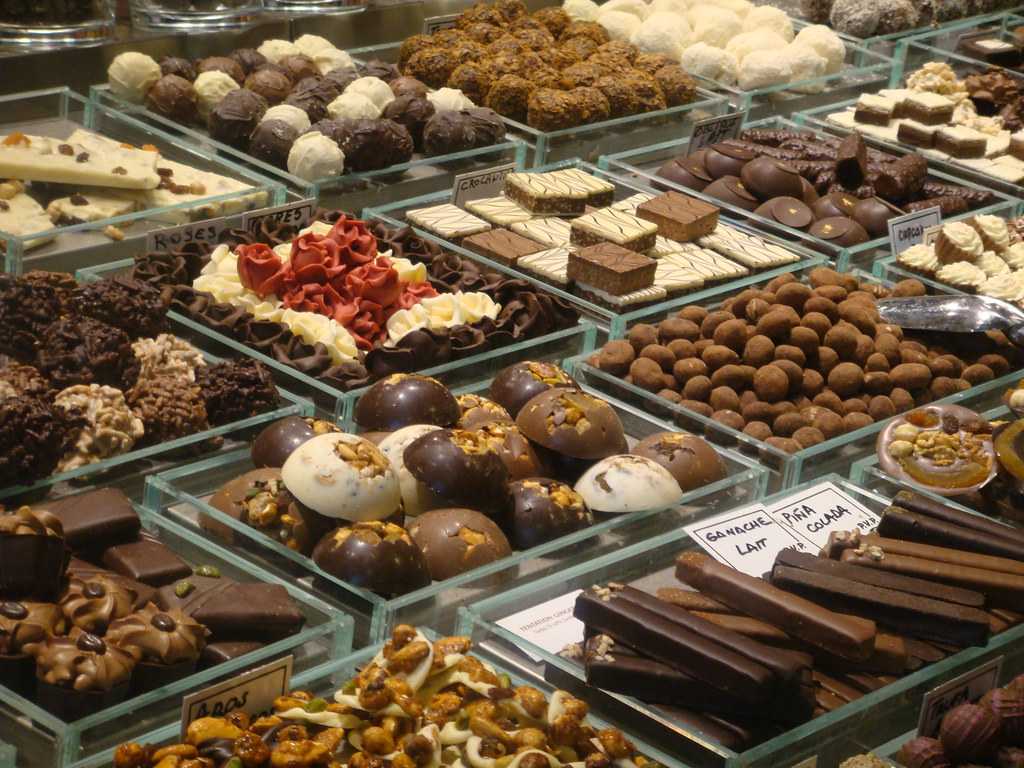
[147, 561]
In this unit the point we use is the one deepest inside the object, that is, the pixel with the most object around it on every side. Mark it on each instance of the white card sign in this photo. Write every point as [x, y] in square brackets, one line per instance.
[712, 130]
[487, 182]
[550, 625]
[252, 692]
[909, 230]
[964, 689]
[173, 238]
[815, 513]
[297, 214]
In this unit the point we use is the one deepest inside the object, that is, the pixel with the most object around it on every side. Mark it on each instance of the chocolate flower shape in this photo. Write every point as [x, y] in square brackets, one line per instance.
[92, 604]
[162, 637]
[23, 625]
[260, 269]
[82, 662]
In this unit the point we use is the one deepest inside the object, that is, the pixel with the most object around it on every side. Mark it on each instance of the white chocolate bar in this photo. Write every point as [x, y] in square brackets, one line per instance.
[90, 205]
[20, 216]
[447, 221]
[499, 211]
[40, 158]
[747, 249]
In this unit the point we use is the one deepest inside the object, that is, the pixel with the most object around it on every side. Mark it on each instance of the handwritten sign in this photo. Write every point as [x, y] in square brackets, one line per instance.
[549, 625]
[173, 238]
[297, 214]
[908, 230]
[964, 689]
[820, 510]
[432, 24]
[712, 130]
[931, 234]
[487, 182]
[252, 692]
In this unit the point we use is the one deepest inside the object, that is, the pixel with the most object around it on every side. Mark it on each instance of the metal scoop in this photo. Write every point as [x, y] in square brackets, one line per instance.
[956, 314]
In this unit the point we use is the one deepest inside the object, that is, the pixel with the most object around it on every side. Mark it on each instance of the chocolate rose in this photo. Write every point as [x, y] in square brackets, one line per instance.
[260, 269]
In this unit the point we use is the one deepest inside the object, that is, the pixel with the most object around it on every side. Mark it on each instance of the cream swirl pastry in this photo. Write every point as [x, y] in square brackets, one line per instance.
[1008, 286]
[991, 264]
[958, 241]
[962, 275]
[920, 258]
[995, 234]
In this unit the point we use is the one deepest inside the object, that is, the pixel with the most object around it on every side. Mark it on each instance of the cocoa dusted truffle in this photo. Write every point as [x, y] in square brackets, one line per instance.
[520, 382]
[123, 302]
[173, 97]
[460, 466]
[224, 64]
[271, 142]
[413, 112]
[272, 85]
[403, 399]
[34, 435]
[236, 116]
[81, 350]
[175, 65]
[544, 509]
[236, 390]
[249, 59]
[373, 144]
[169, 406]
[456, 540]
[378, 556]
[26, 309]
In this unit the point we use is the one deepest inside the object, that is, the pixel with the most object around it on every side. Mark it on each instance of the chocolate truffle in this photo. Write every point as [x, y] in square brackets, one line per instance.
[272, 141]
[370, 145]
[236, 116]
[461, 467]
[274, 444]
[343, 77]
[573, 423]
[236, 390]
[175, 65]
[270, 84]
[249, 59]
[456, 540]
[224, 64]
[335, 130]
[134, 307]
[543, 509]
[81, 350]
[310, 103]
[519, 382]
[378, 556]
[689, 459]
[767, 177]
[413, 112]
[173, 97]
[24, 624]
[384, 70]
[403, 399]
[298, 67]
[408, 86]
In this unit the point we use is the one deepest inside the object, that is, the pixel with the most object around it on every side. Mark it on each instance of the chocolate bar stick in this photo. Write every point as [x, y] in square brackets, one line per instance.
[910, 614]
[898, 523]
[753, 628]
[839, 543]
[865, 682]
[924, 651]
[925, 505]
[827, 700]
[885, 579]
[846, 636]
[691, 600]
[839, 687]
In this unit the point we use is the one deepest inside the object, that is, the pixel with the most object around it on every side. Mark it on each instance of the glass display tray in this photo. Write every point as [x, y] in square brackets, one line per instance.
[614, 322]
[915, 54]
[889, 43]
[591, 141]
[124, 467]
[785, 470]
[57, 112]
[350, 191]
[913, 51]
[642, 165]
[848, 730]
[181, 493]
[555, 346]
[325, 680]
[45, 741]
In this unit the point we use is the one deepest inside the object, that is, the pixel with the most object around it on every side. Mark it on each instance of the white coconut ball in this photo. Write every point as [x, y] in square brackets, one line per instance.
[826, 43]
[703, 60]
[714, 26]
[581, 10]
[740, 7]
[636, 7]
[743, 45]
[806, 64]
[667, 33]
[619, 24]
[669, 6]
[764, 18]
[763, 69]
[309, 45]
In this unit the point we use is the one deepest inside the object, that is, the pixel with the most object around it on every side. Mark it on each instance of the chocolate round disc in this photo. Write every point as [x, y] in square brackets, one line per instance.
[689, 459]
[834, 204]
[767, 177]
[731, 191]
[402, 399]
[873, 214]
[456, 540]
[726, 160]
[788, 211]
[809, 194]
[839, 230]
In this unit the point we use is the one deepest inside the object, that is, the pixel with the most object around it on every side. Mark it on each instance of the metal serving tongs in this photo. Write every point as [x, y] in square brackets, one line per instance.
[956, 314]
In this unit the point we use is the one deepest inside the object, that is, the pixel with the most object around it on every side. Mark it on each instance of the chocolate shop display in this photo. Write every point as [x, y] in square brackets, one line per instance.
[89, 372]
[348, 303]
[306, 107]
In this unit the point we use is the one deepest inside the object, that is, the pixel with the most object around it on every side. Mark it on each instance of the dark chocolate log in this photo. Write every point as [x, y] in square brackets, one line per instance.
[883, 579]
[847, 636]
[759, 630]
[691, 601]
[948, 206]
[827, 700]
[834, 685]
[909, 614]
[729, 733]
[996, 624]
[851, 161]
[852, 540]
[924, 505]
[677, 646]
[903, 179]
[865, 682]
[898, 523]
[975, 197]
[1000, 589]
[1010, 617]
[924, 651]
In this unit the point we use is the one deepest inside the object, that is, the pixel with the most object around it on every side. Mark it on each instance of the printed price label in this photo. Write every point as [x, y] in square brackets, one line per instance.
[432, 24]
[712, 130]
[550, 625]
[931, 234]
[297, 214]
[822, 509]
[964, 689]
[253, 693]
[487, 182]
[172, 238]
[908, 230]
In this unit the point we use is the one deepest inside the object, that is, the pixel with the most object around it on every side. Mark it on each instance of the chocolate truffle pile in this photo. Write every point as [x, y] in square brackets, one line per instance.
[93, 610]
[394, 712]
[100, 375]
[798, 362]
[835, 189]
[525, 311]
[544, 69]
[438, 485]
[882, 17]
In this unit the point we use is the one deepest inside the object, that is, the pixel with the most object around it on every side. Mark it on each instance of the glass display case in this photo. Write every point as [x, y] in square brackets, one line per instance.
[113, 220]
[824, 741]
[43, 740]
[33, 25]
[182, 494]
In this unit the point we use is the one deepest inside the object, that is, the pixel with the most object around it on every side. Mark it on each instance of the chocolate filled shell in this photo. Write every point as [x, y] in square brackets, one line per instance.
[834, 204]
[873, 214]
[275, 443]
[456, 540]
[732, 191]
[689, 459]
[543, 509]
[515, 451]
[416, 496]
[788, 211]
[377, 556]
[402, 399]
[726, 160]
[572, 422]
[478, 410]
[839, 230]
[461, 467]
[688, 172]
[518, 383]
[767, 177]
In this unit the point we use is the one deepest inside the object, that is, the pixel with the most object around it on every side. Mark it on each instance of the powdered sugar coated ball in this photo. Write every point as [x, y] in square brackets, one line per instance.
[743, 45]
[762, 69]
[714, 26]
[703, 60]
[764, 18]
[619, 24]
[806, 64]
[740, 7]
[826, 43]
[636, 7]
[666, 33]
[669, 6]
[581, 10]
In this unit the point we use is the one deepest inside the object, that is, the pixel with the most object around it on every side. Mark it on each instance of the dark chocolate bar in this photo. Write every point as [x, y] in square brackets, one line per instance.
[925, 505]
[836, 686]
[948, 206]
[148, 561]
[851, 161]
[95, 520]
[841, 541]
[898, 523]
[691, 600]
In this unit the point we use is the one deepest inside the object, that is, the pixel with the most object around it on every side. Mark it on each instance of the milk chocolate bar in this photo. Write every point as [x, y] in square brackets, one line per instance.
[925, 505]
[898, 523]
[974, 197]
[691, 600]
[836, 686]
[759, 630]
[846, 636]
[910, 614]
[840, 541]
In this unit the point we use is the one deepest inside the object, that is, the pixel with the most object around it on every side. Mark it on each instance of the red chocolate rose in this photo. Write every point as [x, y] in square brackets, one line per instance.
[260, 269]
[357, 245]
